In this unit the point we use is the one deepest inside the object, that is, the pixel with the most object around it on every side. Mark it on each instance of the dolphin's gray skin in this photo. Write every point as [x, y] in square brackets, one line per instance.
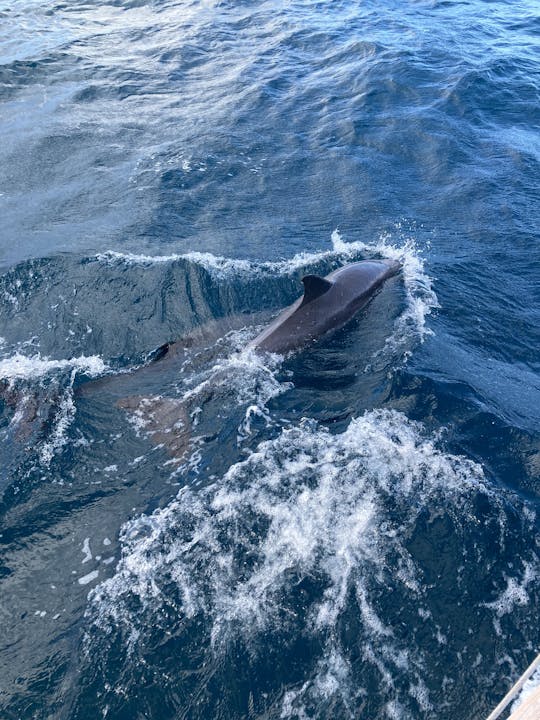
[327, 304]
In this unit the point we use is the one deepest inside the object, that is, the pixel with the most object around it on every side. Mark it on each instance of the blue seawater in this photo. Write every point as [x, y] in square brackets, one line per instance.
[350, 532]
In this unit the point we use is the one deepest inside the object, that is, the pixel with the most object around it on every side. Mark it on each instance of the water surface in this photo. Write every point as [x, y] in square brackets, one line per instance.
[351, 532]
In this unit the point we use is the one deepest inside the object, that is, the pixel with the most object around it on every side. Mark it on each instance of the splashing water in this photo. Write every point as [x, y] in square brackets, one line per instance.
[297, 540]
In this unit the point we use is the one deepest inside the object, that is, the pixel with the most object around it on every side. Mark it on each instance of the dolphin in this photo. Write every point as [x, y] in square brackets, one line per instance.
[327, 304]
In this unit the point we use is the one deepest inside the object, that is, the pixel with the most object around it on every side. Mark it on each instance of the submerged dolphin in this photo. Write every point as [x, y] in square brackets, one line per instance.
[327, 304]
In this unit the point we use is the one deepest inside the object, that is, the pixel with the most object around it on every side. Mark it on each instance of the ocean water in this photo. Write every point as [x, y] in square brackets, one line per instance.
[349, 532]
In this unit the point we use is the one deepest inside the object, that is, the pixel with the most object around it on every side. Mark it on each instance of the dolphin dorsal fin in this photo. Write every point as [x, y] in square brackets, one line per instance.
[314, 287]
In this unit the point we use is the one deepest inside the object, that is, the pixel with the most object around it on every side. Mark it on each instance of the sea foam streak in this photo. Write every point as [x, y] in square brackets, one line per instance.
[21, 367]
[282, 544]
[251, 380]
[19, 370]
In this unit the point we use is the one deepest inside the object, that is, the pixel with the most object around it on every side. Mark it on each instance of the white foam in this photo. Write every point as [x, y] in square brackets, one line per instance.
[85, 579]
[140, 417]
[23, 407]
[86, 551]
[58, 437]
[10, 298]
[222, 266]
[249, 377]
[21, 367]
[331, 678]
[514, 594]
[306, 504]
[242, 378]
[111, 257]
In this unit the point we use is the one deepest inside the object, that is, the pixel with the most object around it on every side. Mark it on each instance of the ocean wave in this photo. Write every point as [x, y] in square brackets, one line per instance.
[421, 299]
[222, 266]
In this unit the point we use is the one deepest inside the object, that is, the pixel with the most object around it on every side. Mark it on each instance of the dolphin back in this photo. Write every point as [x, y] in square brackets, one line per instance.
[327, 304]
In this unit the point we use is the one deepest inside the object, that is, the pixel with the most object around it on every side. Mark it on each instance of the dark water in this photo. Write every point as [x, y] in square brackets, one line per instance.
[351, 532]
